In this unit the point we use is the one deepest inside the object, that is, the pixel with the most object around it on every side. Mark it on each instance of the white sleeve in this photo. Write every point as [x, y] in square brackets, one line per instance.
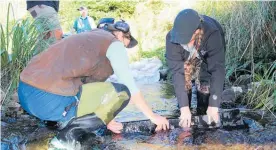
[92, 23]
[118, 58]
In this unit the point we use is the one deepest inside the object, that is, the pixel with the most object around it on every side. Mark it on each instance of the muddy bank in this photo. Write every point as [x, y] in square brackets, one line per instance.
[242, 129]
[141, 135]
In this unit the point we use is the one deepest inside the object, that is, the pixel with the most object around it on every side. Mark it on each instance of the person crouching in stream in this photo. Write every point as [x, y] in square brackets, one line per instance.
[195, 50]
[65, 83]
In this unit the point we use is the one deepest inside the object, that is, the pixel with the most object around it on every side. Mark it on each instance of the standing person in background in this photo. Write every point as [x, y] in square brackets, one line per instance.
[45, 14]
[84, 22]
[196, 47]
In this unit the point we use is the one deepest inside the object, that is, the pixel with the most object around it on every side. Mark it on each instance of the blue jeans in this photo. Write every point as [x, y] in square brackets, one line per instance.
[45, 105]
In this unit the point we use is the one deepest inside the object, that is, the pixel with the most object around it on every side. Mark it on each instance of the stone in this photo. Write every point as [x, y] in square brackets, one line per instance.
[163, 74]
[228, 95]
[231, 94]
[4, 124]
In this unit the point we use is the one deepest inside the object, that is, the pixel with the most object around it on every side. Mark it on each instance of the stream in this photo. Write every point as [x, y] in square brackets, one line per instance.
[240, 128]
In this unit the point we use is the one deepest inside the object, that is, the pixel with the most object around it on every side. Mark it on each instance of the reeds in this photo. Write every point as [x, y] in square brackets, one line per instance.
[18, 39]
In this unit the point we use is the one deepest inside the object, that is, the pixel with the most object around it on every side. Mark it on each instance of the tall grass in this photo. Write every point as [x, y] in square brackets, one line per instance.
[18, 40]
[250, 29]
[263, 91]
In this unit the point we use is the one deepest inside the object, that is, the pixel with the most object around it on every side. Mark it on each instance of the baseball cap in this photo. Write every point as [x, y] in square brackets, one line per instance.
[104, 21]
[124, 27]
[185, 24]
[82, 8]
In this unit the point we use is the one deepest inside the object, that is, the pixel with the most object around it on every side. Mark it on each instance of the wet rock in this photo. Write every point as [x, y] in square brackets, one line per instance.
[228, 105]
[232, 119]
[25, 116]
[11, 120]
[13, 109]
[14, 142]
[163, 74]
[4, 124]
[253, 125]
[261, 116]
[228, 95]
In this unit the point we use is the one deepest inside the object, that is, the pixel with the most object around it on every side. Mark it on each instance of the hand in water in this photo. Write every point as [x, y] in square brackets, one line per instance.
[114, 126]
[161, 122]
[212, 113]
[185, 117]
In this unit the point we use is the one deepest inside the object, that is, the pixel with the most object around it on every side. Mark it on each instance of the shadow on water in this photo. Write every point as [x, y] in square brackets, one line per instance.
[239, 129]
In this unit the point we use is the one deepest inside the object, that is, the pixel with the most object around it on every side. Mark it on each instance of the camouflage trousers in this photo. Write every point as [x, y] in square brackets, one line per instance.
[192, 70]
[196, 72]
[105, 99]
[48, 26]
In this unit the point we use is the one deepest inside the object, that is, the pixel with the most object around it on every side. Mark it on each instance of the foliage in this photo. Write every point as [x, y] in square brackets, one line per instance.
[250, 29]
[96, 8]
[159, 53]
[263, 90]
[18, 40]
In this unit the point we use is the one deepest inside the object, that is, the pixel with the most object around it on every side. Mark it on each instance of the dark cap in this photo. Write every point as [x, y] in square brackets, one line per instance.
[185, 24]
[82, 8]
[124, 27]
[105, 21]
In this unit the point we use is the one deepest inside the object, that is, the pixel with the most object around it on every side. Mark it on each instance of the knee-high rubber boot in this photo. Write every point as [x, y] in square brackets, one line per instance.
[202, 103]
[80, 126]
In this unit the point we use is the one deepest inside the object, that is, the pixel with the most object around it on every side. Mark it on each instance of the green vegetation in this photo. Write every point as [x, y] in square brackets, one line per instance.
[159, 53]
[18, 40]
[97, 9]
[250, 29]
[263, 93]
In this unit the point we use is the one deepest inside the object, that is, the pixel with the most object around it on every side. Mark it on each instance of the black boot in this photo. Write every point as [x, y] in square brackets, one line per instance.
[202, 103]
[189, 93]
[79, 127]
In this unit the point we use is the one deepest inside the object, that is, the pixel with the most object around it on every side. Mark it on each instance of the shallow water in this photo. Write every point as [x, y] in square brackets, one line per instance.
[241, 129]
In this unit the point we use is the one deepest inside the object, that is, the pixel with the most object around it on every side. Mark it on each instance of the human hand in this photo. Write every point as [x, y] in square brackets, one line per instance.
[161, 122]
[185, 117]
[114, 126]
[212, 113]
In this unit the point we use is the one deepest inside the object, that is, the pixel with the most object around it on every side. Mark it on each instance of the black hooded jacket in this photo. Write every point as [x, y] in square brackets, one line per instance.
[212, 50]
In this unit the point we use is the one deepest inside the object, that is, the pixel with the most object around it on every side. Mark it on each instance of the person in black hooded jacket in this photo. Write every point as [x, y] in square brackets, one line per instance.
[195, 51]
